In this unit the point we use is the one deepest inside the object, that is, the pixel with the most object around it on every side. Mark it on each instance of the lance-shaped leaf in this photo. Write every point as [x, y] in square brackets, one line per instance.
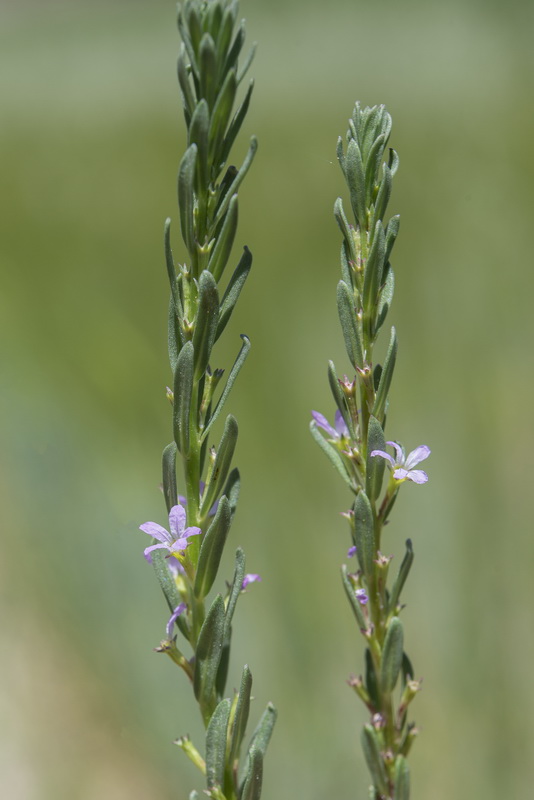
[175, 337]
[221, 465]
[185, 86]
[340, 154]
[231, 490]
[233, 290]
[169, 260]
[208, 656]
[221, 115]
[371, 683]
[346, 269]
[350, 325]
[372, 167]
[207, 67]
[384, 299]
[198, 134]
[364, 536]
[393, 161]
[170, 491]
[235, 124]
[402, 779]
[380, 406]
[235, 591]
[225, 34]
[260, 738]
[339, 397]
[392, 655]
[186, 196]
[392, 231]
[408, 673]
[183, 387]
[355, 176]
[404, 571]
[375, 466]
[206, 322]
[233, 53]
[212, 548]
[216, 744]
[333, 455]
[236, 183]
[382, 198]
[191, 18]
[374, 269]
[213, 19]
[373, 757]
[353, 600]
[224, 242]
[241, 716]
[234, 372]
[252, 786]
[186, 30]
[246, 63]
[345, 228]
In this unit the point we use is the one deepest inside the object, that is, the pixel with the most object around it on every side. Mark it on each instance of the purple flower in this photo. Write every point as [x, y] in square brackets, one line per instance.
[340, 431]
[174, 616]
[175, 541]
[250, 577]
[362, 596]
[402, 464]
[175, 568]
[351, 551]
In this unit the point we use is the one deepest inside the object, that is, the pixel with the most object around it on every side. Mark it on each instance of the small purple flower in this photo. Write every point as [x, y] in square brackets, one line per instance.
[351, 551]
[402, 464]
[175, 568]
[362, 597]
[340, 431]
[177, 540]
[174, 616]
[250, 577]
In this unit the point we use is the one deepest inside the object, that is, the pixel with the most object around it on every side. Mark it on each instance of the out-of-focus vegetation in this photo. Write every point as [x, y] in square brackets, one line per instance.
[90, 140]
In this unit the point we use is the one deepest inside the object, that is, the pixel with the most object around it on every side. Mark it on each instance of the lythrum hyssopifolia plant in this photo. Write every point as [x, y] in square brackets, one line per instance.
[199, 484]
[356, 445]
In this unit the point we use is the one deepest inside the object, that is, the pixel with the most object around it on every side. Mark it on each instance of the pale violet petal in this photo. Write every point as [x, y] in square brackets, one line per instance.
[174, 616]
[385, 455]
[192, 531]
[156, 531]
[417, 455]
[323, 423]
[399, 451]
[148, 550]
[177, 518]
[417, 476]
[400, 474]
[339, 424]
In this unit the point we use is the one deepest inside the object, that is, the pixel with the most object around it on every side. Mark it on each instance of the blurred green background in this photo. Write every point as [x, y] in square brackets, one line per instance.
[90, 139]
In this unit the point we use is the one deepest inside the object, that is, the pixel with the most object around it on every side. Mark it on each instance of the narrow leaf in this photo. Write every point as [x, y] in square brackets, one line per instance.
[235, 125]
[380, 406]
[207, 657]
[216, 744]
[392, 231]
[183, 387]
[350, 325]
[221, 115]
[339, 397]
[392, 655]
[233, 290]
[207, 63]
[212, 548]
[224, 241]
[198, 134]
[402, 779]
[206, 322]
[375, 466]
[355, 177]
[382, 198]
[400, 580]
[224, 202]
[374, 269]
[345, 228]
[373, 757]
[371, 684]
[235, 591]
[169, 476]
[186, 197]
[384, 299]
[221, 465]
[241, 716]
[364, 536]
[231, 490]
[234, 372]
[253, 781]
[333, 455]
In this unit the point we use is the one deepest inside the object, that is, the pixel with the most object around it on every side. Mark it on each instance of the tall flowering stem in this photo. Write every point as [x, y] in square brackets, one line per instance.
[187, 555]
[356, 446]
